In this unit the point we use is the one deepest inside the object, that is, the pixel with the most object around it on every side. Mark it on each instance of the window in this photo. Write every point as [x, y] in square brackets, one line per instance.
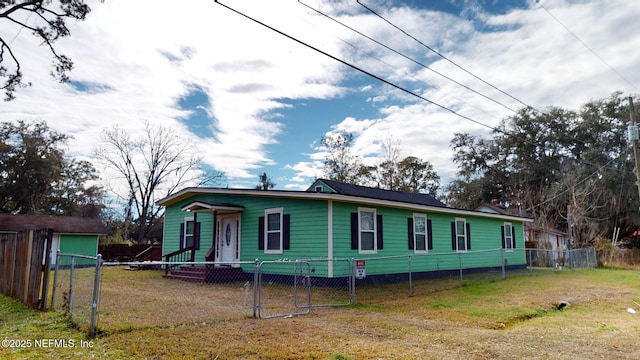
[508, 236]
[420, 233]
[367, 231]
[189, 233]
[273, 231]
[460, 235]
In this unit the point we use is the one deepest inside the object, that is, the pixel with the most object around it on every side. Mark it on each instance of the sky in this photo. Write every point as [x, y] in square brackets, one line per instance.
[253, 100]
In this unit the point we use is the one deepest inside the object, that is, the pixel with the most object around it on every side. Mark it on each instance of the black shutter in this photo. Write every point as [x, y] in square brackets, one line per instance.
[285, 232]
[453, 236]
[181, 236]
[261, 233]
[429, 235]
[379, 232]
[468, 237]
[410, 231]
[196, 235]
[354, 231]
[513, 236]
[504, 243]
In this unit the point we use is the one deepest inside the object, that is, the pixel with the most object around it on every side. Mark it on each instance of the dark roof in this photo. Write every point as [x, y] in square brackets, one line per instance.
[59, 224]
[380, 194]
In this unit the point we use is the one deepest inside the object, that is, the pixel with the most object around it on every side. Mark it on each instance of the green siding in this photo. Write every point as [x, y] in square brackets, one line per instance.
[308, 226]
[79, 244]
[309, 236]
[486, 234]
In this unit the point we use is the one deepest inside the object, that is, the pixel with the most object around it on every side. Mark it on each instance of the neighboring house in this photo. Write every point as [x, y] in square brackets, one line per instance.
[333, 220]
[71, 235]
[536, 235]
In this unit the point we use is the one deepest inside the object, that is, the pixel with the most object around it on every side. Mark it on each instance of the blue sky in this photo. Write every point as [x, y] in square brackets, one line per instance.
[253, 101]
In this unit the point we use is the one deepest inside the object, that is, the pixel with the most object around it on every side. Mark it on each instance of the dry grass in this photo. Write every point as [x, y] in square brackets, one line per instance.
[505, 319]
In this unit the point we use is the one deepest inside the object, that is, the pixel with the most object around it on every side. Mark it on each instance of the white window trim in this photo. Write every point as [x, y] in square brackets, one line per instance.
[375, 232]
[184, 235]
[465, 235]
[426, 234]
[508, 236]
[279, 211]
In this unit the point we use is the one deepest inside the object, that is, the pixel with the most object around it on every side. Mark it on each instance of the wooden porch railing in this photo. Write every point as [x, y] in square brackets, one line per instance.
[144, 255]
[187, 254]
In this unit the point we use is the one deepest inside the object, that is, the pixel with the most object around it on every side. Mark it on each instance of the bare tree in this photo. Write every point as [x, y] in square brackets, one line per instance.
[340, 163]
[157, 163]
[47, 23]
[265, 182]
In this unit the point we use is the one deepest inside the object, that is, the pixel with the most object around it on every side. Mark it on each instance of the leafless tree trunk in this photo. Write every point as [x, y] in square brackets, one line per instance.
[156, 163]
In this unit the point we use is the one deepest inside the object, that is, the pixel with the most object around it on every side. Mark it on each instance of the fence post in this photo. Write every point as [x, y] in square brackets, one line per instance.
[460, 266]
[504, 273]
[70, 300]
[96, 294]
[55, 278]
[530, 261]
[410, 278]
[256, 287]
[352, 277]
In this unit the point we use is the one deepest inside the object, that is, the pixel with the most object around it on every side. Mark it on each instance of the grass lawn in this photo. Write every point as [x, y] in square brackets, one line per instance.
[503, 319]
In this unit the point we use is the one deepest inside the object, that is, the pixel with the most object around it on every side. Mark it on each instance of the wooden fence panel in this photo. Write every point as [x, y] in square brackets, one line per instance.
[24, 266]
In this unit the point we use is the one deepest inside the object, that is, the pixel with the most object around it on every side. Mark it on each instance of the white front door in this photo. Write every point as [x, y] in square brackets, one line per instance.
[229, 247]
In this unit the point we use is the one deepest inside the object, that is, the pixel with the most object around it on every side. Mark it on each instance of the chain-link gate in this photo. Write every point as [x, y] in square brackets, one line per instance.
[284, 288]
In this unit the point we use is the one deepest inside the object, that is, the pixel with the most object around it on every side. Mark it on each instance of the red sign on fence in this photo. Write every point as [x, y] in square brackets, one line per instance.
[361, 272]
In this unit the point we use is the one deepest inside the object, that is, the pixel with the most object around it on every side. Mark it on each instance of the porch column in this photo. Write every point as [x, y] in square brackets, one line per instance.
[215, 232]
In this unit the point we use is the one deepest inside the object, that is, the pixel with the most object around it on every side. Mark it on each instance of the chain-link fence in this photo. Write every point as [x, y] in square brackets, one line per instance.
[151, 294]
[76, 288]
[294, 287]
[560, 259]
[115, 297]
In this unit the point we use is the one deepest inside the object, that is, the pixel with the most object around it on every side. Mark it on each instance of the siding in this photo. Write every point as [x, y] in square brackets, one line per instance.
[308, 226]
[79, 244]
[486, 234]
[308, 235]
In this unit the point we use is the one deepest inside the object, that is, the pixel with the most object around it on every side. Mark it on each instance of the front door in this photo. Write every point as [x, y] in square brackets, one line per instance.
[229, 239]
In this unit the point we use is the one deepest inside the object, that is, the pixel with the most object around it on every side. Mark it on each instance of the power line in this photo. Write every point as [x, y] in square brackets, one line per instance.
[406, 56]
[585, 45]
[388, 82]
[413, 94]
[441, 55]
[392, 67]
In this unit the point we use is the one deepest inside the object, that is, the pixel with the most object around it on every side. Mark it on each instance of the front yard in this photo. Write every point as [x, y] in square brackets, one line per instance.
[495, 319]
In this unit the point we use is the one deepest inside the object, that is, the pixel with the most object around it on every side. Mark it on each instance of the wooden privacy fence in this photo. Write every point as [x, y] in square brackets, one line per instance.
[24, 266]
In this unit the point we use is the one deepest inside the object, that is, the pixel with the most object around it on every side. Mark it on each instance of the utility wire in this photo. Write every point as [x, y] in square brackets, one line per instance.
[585, 45]
[405, 56]
[413, 94]
[442, 56]
[388, 82]
[393, 68]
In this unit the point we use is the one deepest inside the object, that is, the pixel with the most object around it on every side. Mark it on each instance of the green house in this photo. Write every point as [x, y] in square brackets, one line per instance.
[333, 220]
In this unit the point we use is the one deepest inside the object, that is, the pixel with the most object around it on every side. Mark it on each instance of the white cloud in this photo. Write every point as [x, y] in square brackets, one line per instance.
[142, 57]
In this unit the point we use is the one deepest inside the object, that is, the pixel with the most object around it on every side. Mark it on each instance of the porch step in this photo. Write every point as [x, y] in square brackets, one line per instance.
[209, 275]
